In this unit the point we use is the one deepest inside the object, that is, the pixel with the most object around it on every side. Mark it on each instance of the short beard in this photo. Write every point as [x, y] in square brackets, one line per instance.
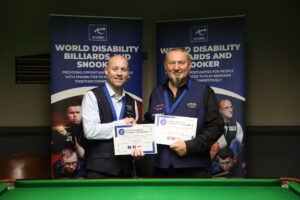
[177, 81]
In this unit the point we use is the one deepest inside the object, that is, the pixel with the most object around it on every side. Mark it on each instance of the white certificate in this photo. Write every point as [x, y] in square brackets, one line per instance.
[169, 129]
[129, 137]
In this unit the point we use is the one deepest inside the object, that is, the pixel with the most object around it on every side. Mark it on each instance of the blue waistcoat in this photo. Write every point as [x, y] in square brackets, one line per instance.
[191, 105]
[100, 153]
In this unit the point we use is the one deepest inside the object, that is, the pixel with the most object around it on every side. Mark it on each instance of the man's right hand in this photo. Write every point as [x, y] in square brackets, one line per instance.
[129, 121]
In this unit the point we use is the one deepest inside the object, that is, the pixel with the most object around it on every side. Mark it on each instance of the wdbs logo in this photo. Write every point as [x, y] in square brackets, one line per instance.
[163, 122]
[199, 34]
[121, 131]
[97, 32]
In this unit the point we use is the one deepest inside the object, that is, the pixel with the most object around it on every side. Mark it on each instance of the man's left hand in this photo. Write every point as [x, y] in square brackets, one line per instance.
[138, 152]
[179, 147]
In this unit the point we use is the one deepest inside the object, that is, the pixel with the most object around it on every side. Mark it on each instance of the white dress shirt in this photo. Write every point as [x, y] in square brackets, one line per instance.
[92, 127]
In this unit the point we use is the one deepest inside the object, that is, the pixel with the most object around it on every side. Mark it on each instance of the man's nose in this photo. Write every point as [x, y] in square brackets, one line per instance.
[119, 72]
[176, 67]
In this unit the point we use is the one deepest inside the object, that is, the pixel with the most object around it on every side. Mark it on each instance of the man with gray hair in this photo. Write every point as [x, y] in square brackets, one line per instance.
[182, 96]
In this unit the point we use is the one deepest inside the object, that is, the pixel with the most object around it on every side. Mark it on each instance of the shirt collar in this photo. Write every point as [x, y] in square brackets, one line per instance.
[112, 93]
[227, 122]
[186, 84]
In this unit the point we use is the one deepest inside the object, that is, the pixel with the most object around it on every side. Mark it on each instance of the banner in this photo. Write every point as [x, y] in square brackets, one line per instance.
[80, 49]
[217, 49]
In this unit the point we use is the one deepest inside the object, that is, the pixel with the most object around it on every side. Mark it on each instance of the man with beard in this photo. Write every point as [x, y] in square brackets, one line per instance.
[182, 96]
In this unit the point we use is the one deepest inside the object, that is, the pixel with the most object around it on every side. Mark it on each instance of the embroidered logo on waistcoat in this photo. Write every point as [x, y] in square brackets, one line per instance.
[191, 105]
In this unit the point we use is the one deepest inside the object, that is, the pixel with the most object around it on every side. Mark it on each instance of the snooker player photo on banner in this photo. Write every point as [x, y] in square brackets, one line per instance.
[216, 47]
[80, 49]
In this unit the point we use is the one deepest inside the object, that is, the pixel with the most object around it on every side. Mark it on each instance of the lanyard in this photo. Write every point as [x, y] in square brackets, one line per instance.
[170, 110]
[112, 108]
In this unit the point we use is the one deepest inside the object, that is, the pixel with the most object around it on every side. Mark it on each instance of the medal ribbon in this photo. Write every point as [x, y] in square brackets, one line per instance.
[112, 105]
[170, 110]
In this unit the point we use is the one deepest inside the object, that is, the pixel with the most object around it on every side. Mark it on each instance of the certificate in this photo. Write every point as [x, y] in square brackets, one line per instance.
[170, 129]
[129, 137]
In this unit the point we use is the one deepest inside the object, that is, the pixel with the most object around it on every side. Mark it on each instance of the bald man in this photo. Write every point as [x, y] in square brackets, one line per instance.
[103, 108]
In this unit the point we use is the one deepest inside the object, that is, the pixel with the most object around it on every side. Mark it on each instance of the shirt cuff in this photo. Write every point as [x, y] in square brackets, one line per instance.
[120, 123]
[190, 146]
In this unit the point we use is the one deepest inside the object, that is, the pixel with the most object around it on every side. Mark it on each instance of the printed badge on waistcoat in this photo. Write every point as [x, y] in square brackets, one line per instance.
[232, 128]
[129, 111]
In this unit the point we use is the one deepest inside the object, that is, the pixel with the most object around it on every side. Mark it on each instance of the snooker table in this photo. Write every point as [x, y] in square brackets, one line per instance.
[152, 189]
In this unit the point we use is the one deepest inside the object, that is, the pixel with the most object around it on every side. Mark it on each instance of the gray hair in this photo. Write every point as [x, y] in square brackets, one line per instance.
[182, 49]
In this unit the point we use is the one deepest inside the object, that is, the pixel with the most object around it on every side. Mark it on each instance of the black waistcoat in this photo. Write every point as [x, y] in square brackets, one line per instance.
[100, 153]
[231, 131]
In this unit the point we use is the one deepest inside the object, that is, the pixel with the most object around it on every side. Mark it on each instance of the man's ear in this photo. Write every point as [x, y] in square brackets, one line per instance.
[190, 64]
[165, 65]
[105, 70]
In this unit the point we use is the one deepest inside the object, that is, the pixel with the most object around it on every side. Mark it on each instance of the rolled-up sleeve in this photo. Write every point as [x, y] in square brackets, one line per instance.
[92, 126]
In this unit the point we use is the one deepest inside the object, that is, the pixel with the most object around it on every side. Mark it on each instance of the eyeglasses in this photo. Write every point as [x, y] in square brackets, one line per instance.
[69, 164]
